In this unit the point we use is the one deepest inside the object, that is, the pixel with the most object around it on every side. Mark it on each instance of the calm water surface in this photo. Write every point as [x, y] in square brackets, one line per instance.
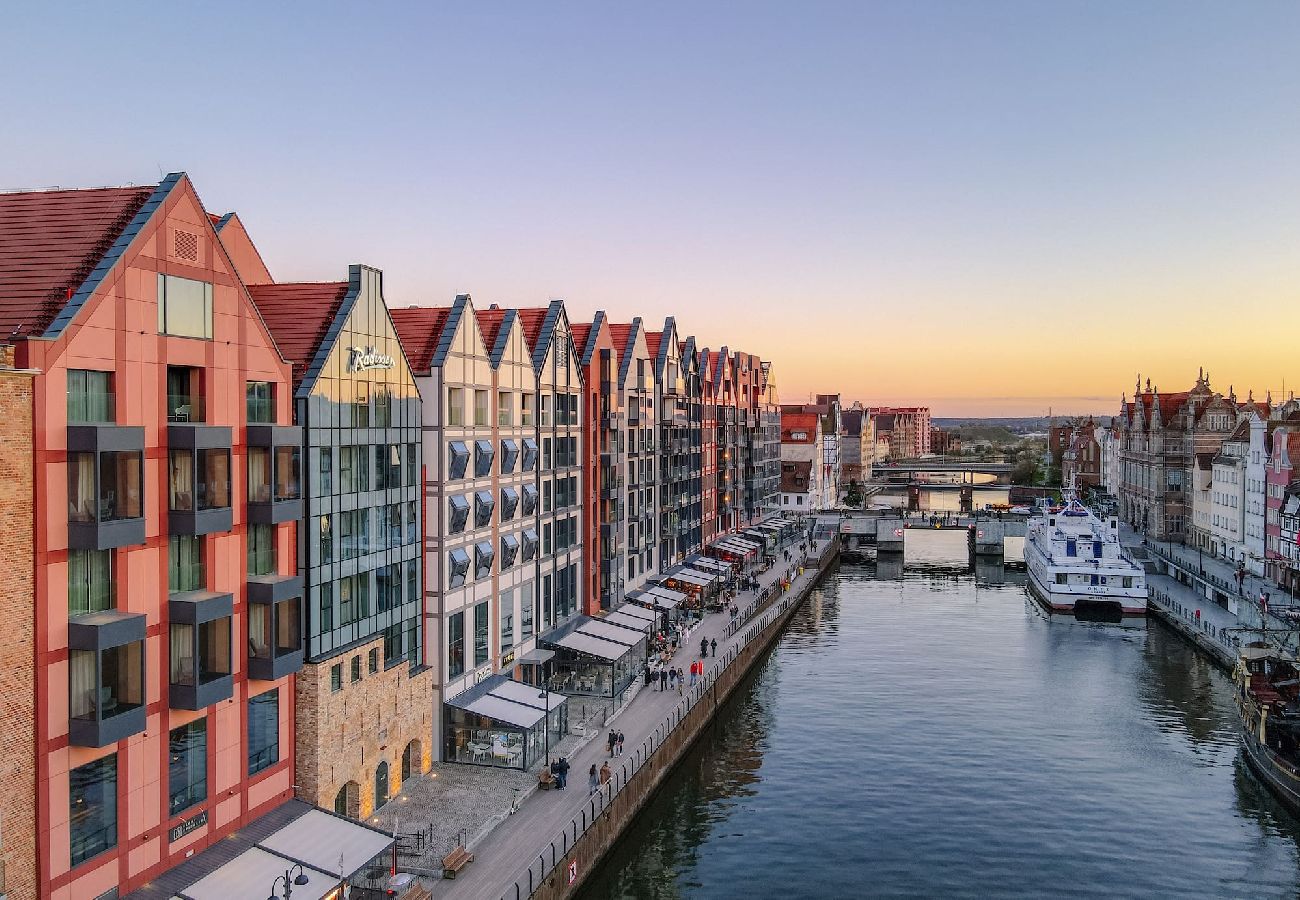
[921, 733]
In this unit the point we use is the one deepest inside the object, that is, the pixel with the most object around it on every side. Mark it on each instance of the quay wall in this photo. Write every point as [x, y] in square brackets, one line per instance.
[561, 870]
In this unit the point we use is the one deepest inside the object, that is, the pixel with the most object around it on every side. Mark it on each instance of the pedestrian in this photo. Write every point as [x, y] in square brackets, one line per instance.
[663, 677]
[694, 669]
[713, 645]
[561, 770]
[672, 677]
[620, 743]
[681, 681]
[605, 773]
[612, 740]
[593, 779]
[704, 646]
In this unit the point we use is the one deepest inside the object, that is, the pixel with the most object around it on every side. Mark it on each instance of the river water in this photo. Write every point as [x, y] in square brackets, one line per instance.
[925, 735]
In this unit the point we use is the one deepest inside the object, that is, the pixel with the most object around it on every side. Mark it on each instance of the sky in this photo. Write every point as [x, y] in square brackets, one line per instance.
[994, 208]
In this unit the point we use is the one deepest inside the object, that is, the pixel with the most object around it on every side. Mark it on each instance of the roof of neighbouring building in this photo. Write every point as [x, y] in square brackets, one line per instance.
[796, 477]
[581, 332]
[299, 315]
[851, 421]
[489, 324]
[803, 423]
[50, 242]
[420, 328]
[652, 339]
[532, 319]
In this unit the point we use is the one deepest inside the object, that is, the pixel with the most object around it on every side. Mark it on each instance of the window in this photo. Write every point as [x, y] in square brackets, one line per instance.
[361, 405]
[326, 540]
[185, 563]
[546, 455]
[457, 459]
[336, 678]
[392, 644]
[187, 769]
[261, 549]
[412, 581]
[458, 513]
[483, 455]
[259, 402]
[263, 731]
[90, 581]
[529, 460]
[92, 795]
[455, 406]
[529, 499]
[372, 663]
[546, 539]
[199, 479]
[546, 410]
[412, 464]
[526, 612]
[383, 408]
[509, 503]
[184, 307]
[90, 396]
[546, 495]
[354, 598]
[484, 504]
[456, 644]
[509, 550]
[484, 554]
[394, 530]
[457, 567]
[356, 669]
[326, 606]
[388, 466]
[505, 408]
[412, 521]
[326, 470]
[388, 586]
[480, 407]
[509, 455]
[526, 412]
[507, 609]
[354, 531]
[199, 654]
[480, 633]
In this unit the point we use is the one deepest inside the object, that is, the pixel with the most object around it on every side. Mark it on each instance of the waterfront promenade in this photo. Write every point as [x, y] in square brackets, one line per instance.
[513, 857]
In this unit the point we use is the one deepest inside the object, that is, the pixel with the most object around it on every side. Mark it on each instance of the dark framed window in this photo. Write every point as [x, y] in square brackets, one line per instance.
[458, 514]
[184, 307]
[263, 731]
[90, 581]
[456, 644]
[458, 459]
[90, 396]
[372, 660]
[326, 470]
[326, 540]
[457, 567]
[484, 453]
[187, 766]
[484, 504]
[484, 554]
[336, 678]
[412, 581]
[326, 606]
[356, 669]
[185, 563]
[92, 795]
[259, 402]
[392, 644]
[261, 549]
[480, 633]
[412, 464]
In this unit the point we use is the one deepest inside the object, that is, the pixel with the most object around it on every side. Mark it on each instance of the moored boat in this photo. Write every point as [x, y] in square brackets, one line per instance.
[1076, 563]
[1267, 682]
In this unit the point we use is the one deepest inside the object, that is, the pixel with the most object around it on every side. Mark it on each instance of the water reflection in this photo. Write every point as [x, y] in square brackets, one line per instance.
[923, 730]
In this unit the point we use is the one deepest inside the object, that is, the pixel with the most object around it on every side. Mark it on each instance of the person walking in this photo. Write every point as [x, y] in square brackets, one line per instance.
[713, 645]
[704, 646]
[672, 677]
[604, 775]
[663, 677]
[611, 741]
[620, 743]
[593, 779]
[681, 681]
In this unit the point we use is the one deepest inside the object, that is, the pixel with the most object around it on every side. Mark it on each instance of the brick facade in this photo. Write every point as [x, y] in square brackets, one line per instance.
[17, 651]
[344, 735]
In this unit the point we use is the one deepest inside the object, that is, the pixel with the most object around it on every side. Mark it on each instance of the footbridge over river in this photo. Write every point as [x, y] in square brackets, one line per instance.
[909, 469]
[986, 537]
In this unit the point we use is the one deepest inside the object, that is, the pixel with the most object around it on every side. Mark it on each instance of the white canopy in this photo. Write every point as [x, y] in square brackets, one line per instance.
[250, 873]
[615, 633]
[628, 620]
[593, 646]
[526, 694]
[650, 598]
[507, 711]
[321, 840]
[635, 610]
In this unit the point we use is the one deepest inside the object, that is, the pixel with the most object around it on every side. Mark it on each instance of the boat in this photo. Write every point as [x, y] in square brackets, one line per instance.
[1076, 563]
[1267, 681]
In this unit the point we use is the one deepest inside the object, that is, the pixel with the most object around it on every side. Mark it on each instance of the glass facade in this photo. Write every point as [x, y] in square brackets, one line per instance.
[263, 731]
[92, 808]
[187, 766]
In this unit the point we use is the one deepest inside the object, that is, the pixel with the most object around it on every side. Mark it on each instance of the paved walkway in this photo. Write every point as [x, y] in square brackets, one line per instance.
[505, 854]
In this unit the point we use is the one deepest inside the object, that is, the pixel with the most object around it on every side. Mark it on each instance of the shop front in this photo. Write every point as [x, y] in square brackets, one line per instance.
[594, 658]
[503, 723]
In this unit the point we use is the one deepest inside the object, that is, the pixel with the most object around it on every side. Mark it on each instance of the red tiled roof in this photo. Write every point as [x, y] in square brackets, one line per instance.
[532, 319]
[49, 242]
[489, 325]
[299, 316]
[580, 331]
[804, 422]
[419, 329]
[620, 333]
[652, 340]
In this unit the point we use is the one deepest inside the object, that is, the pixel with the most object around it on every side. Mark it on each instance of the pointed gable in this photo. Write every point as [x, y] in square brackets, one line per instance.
[420, 329]
[242, 251]
[299, 315]
[489, 326]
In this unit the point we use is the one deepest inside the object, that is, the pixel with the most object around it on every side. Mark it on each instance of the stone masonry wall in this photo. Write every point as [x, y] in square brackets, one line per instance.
[17, 650]
[344, 735]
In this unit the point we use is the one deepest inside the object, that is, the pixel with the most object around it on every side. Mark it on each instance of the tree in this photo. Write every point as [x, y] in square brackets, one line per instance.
[1026, 469]
[854, 497]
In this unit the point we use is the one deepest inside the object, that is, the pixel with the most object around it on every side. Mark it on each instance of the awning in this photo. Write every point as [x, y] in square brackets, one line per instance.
[606, 631]
[627, 620]
[751, 543]
[527, 694]
[692, 576]
[321, 840]
[663, 593]
[249, 874]
[651, 600]
[537, 657]
[593, 646]
[705, 564]
[636, 611]
[503, 710]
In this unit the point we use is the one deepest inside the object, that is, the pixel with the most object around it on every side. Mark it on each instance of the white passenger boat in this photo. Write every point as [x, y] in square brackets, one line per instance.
[1075, 562]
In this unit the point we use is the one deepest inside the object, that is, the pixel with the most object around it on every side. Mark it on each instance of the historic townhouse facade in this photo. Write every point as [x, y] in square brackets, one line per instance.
[604, 461]
[636, 388]
[364, 697]
[165, 679]
[676, 413]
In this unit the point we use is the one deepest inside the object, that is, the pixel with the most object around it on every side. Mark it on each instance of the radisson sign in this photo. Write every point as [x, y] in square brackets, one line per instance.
[362, 358]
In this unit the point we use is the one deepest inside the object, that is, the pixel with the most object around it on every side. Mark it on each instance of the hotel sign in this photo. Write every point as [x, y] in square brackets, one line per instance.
[507, 658]
[362, 358]
[191, 824]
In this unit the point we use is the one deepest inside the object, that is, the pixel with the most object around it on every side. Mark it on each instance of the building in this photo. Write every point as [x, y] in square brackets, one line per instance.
[1256, 489]
[908, 430]
[18, 609]
[677, 411]
[944, 442]
[602, 434]
[164, 715]
[1284, 452]
[797, 486]
[830, 428]
[1080, 458]
[1108, 444]
[635, 384]
[803, 489]
[1228, 496]
[365, 697]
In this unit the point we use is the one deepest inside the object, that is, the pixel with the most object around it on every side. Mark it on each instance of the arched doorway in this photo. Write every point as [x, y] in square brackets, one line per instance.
[381, 784]
[411, 760]
[347, 802]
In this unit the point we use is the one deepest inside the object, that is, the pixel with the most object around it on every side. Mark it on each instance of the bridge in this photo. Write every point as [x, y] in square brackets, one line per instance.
[986, 537]
[910, 469]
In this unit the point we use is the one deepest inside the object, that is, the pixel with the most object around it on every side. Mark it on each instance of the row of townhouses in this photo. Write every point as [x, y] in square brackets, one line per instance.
[274, 548]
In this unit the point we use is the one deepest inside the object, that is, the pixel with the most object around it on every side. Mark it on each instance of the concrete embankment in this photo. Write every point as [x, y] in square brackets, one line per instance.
[580, 844]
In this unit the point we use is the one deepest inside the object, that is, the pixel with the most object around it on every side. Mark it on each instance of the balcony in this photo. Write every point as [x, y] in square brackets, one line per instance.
[200, 649]
[274, 626]
[274, 474]
[105, 492]
[105, 677]
[611, 488]
[198, 479]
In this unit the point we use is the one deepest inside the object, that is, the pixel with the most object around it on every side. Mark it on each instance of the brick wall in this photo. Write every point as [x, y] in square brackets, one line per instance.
[17, 651]
[344, 735]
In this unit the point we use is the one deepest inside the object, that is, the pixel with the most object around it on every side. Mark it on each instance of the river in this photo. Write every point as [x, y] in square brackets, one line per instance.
[927, 736]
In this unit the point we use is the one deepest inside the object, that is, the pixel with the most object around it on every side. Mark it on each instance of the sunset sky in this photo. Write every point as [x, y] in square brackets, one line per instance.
[990, 207]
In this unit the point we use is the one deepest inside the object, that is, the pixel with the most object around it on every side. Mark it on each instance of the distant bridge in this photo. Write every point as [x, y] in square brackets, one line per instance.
[910, 470]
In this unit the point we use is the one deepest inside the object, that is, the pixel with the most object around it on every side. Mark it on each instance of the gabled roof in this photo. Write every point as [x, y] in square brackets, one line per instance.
[581, 332]
[539, 328]
[53, 242]
[420, 329]
[805, 423]
[796, 477]
[299, 315]
[652, 340]
[494, 326]
[532, 320]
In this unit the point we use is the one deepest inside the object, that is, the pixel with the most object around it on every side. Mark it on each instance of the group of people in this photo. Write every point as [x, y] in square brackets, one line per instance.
[614, 743]
[669, 677]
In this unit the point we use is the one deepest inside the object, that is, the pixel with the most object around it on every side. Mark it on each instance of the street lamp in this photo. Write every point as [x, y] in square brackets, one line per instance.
[545, 697]
[289, 880]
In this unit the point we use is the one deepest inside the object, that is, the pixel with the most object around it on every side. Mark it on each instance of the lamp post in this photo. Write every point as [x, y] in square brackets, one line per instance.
[545, 697]
[289, 880]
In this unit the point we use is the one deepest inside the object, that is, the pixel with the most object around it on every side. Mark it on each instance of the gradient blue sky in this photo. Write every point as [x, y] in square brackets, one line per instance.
[922, 201]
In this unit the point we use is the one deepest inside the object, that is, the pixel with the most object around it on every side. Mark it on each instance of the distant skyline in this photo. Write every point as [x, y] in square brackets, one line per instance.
[997, 206]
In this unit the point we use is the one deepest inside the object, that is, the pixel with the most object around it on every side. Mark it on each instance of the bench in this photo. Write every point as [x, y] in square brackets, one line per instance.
[546, 780]
[456, 860]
